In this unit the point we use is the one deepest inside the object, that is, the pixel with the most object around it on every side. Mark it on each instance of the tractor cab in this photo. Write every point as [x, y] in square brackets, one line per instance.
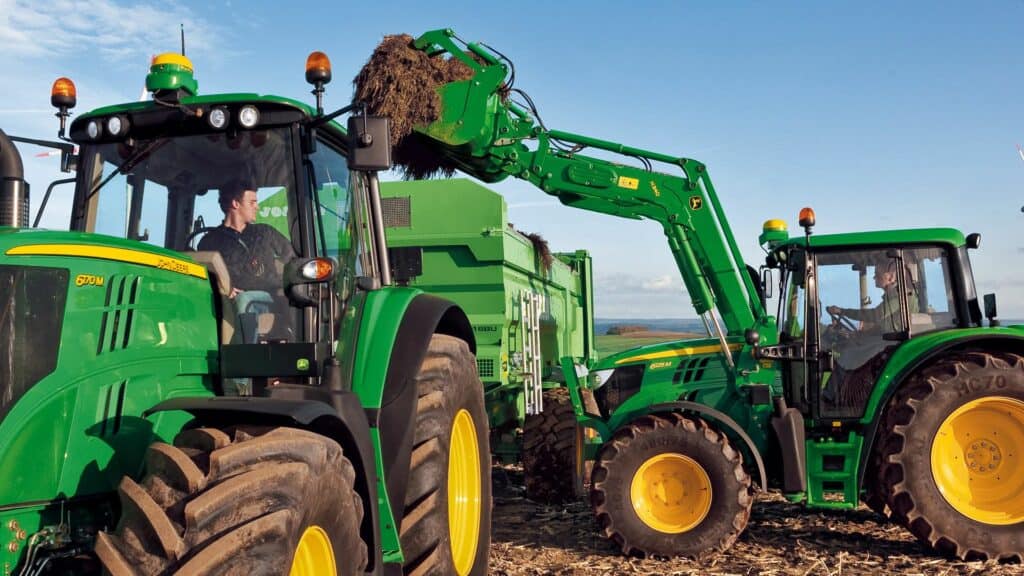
[850, 300]
[168, 172]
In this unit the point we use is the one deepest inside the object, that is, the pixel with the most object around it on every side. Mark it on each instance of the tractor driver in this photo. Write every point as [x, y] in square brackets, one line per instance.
[254, 254]
[885, 316]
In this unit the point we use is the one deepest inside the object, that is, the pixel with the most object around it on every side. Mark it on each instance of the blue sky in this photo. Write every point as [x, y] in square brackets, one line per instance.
[879, 115]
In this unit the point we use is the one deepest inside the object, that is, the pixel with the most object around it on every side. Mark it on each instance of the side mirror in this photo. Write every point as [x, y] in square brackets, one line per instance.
[369, 143]
[302, 273]
[973, 240]
[990, 309]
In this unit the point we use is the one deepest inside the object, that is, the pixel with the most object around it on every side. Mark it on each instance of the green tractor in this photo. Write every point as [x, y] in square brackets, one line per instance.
[876, 380]
[154, 419]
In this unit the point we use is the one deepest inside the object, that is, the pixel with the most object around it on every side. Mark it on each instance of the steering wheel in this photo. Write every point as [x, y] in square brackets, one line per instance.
[197, 232]
[842, 322]
[839, 330]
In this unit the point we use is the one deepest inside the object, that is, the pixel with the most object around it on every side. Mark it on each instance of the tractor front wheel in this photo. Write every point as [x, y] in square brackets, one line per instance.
[670, 485]
[240, 501]
[446, 528]
[954, 467]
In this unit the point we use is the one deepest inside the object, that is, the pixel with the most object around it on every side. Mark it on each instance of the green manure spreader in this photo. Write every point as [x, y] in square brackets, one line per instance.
[529, 309]
[266, 403]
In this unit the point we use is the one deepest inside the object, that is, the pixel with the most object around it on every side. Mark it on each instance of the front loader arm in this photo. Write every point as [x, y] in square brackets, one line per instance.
[486, 136]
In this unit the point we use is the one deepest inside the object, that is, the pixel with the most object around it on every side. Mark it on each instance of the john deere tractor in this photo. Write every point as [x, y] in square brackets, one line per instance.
[156, 417]
[875, 380]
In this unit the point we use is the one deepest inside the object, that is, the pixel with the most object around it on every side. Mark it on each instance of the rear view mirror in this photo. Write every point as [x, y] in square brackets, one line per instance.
[369, 143]
[990, 309]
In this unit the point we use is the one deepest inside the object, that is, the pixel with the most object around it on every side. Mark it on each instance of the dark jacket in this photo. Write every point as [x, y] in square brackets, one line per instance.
[255, 257]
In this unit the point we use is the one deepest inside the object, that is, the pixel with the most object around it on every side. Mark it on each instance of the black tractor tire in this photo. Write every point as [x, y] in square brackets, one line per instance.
[970, 383]
[447, 386]
[554, 465]
[876, 489]
[671, 435]
[235, 501]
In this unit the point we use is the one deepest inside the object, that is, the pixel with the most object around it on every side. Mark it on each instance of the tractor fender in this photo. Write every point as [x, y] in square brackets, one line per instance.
[984, 341]
[723, 419]
[395, 421]
[345, 423]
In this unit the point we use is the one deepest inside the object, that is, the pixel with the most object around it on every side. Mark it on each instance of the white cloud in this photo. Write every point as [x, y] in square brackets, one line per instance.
[116, 32]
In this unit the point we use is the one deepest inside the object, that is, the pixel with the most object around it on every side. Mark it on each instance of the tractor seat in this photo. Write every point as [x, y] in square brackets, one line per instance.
[244, 317]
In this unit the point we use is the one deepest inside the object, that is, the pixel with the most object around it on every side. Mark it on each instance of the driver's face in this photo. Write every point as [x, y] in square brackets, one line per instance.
[248, 207]
[884, 278]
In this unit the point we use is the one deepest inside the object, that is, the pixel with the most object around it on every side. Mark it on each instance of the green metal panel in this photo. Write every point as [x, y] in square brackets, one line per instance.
[133, 334]
[382, 314]
[884, 238]
[481, 263]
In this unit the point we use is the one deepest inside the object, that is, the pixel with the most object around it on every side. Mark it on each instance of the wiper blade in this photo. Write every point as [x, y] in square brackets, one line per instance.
[129, 163]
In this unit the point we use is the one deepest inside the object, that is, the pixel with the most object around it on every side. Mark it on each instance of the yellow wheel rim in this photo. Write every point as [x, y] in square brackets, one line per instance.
[464, 494]
[671, 493]
[976, 460]
[314, 555]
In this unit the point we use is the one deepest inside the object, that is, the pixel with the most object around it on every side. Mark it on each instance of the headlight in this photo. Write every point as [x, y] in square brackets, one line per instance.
[248, 116]
[218, 117]
[117, 126]
[92, 129]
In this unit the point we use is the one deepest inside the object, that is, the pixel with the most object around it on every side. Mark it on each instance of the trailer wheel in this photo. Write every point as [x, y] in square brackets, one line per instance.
[446, 528]
[670, 485]
[955, 467]
[240, 501]
[554, 465]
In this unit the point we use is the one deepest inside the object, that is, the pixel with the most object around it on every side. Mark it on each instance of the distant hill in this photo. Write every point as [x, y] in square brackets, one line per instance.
[690, 325]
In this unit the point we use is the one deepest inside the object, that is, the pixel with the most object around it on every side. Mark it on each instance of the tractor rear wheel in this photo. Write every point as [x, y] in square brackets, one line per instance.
[446, 528]
[554, 464]
[240, 501]
[670, 485]
[955, 467]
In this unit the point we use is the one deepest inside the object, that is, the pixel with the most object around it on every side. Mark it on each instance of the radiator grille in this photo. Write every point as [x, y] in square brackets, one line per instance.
[397, 212]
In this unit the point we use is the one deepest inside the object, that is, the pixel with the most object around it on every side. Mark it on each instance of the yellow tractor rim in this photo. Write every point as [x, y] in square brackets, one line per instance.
[976, 460]
[671, 493]
[314, 555]
[464, 495]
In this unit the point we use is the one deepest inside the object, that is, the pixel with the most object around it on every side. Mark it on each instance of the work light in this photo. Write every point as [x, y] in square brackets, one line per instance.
[248, 116]
[218, 117]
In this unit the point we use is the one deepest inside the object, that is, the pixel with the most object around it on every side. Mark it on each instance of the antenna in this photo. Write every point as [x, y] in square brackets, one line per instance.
[183, 39]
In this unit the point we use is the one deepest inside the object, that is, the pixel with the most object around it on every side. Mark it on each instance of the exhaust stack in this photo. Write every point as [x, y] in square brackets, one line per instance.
[13, 188]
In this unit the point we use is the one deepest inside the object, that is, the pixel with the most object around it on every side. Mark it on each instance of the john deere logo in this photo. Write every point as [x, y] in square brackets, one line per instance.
[696, 202]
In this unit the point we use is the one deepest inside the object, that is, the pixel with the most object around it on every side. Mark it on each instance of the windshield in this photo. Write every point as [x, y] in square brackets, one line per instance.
[165, 191]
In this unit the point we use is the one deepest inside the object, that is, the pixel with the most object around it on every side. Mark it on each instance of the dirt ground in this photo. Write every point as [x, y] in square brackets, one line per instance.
[781, 539]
